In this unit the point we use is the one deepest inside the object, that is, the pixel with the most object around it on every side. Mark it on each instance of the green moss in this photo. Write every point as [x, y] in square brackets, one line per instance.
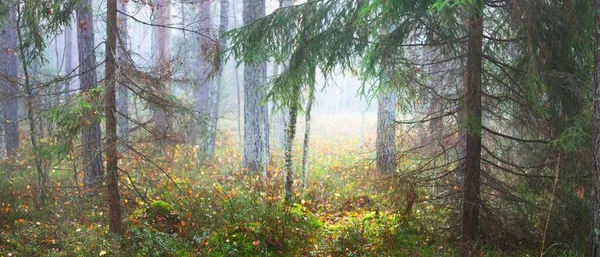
[160, 208]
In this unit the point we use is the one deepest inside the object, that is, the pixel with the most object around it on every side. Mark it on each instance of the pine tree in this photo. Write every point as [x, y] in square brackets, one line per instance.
[91, 135]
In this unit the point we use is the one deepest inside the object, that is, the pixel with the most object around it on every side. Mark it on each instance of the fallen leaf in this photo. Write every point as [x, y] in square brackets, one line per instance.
[580, 191]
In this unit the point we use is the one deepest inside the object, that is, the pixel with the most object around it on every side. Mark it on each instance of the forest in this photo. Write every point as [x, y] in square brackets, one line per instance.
[300, 128]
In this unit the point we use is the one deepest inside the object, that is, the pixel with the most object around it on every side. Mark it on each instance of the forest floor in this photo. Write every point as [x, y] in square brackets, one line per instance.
[220, 210]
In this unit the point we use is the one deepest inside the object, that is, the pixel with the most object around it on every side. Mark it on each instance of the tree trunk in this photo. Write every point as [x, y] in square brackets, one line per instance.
[71, 83]
[30, 96]
[90, 137]
[473, 117]
[113, 197]
[284, 116]
[123, 60]
[386, 134]
[9, 70]
[163, 37]
[305, 148]
[204, 88]
[596, 137]
[216, 94]
[289, 147]
[254, 110]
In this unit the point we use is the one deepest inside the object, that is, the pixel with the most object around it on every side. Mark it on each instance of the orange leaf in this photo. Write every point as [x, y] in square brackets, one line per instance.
[183, 223]
[580, 191]
[19, 221]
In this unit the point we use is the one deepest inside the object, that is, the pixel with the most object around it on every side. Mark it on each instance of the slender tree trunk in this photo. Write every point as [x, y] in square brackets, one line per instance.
[68, 53]
[42, 176]
[470, 223]
[204, 87]
[216, 95]
[306, 146]
[288, 158]
[163, 37]
[595, 252]
[8, 79]
[284, 116]
[91, 136]
[254, 110]
[113, 197]
[386, 134]
[123, 60]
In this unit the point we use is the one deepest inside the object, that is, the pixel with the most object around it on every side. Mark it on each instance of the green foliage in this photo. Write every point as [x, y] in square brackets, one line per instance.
[79, 112]
[37, 20]
[149, 242]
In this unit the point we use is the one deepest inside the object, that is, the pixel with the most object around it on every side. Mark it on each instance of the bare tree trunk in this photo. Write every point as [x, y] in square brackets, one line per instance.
[289, 147]
[90, 137]
[386, 134]
[216, 95]
[8, 79]
[113, 197]
[123, 60]
[204, 88]
[470, 224]
[254, 111]
[595, 251]
[306, 146]
[163, 37]
[238, 93]
[71, 83]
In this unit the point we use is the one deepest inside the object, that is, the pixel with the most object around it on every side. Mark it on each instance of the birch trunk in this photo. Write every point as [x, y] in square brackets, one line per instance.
[306, 146]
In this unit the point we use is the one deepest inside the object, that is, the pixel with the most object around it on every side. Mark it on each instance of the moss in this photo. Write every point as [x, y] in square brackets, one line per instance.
[160, 216]
[160, 208]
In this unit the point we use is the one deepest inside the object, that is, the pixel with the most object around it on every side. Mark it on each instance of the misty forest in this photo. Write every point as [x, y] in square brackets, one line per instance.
[300, 128]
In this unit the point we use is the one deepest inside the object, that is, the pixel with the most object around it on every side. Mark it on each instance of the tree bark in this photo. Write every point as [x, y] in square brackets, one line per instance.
[386, 134]
[203, 93]
[71, 84]
[306, 146]
[91, 135]
[288, 158]
[471, 203]
[113, 197]
[216, 95]
[8, 79]
[163, 37]
[254, 110]
[123, 60]
[595, 252]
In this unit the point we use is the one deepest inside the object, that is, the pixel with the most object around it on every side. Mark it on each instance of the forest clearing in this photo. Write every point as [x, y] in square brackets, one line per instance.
[300, 128]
